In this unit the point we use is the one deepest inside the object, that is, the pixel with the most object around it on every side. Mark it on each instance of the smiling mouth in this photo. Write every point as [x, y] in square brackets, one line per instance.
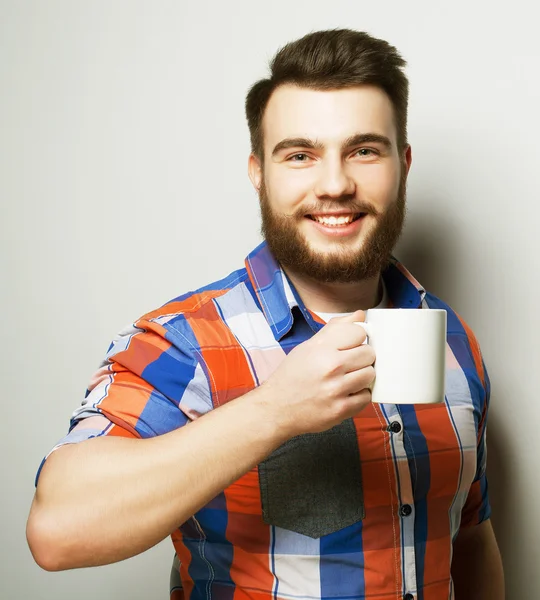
[336, 220]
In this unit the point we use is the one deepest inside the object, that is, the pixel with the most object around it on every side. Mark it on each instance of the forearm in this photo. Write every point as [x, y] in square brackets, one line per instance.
[476, 566]
[107, 499]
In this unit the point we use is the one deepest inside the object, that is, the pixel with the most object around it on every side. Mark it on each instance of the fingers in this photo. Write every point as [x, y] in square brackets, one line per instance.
[344, 335]
[358, 402]
[357, 358]
[359, 380]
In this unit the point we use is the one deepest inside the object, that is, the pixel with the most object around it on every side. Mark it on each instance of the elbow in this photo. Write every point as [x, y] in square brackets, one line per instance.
[45, 543]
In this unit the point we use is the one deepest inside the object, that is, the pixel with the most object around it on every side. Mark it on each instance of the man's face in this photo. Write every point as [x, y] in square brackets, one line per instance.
[332, 184]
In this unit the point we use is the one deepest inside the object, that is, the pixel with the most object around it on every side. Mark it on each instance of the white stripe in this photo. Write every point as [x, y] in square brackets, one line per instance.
[298, 575]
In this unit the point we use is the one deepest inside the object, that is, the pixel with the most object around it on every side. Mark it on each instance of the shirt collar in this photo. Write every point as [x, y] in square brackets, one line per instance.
[278, 297]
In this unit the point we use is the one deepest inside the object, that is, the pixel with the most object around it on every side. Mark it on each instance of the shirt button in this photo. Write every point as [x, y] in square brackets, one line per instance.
[408, 597]
[395, 427]
[405, 511]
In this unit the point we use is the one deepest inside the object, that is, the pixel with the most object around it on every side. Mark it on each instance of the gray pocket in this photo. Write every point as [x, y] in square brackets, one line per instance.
[312, 484]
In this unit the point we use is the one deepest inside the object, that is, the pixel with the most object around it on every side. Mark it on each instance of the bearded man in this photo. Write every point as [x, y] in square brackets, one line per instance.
[289, 482]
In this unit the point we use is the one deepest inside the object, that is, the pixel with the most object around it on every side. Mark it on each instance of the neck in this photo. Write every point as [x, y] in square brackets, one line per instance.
[337, 297]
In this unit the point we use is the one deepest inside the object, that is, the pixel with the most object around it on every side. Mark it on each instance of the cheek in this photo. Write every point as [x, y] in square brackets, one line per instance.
[288, 189]
[379, 184]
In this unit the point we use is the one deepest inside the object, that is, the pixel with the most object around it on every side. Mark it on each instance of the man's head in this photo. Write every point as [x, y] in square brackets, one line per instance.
[330, 154]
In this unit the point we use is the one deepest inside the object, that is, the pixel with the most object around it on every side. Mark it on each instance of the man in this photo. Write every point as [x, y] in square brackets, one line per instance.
[288, 482]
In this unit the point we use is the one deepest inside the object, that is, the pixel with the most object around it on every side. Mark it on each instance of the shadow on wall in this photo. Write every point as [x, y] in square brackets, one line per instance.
[502, 482]
[428, 250]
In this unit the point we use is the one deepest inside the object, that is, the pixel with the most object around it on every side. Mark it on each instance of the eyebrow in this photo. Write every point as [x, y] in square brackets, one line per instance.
[353, 140]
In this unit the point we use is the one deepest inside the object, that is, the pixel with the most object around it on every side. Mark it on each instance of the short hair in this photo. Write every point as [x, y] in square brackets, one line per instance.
[329, 60]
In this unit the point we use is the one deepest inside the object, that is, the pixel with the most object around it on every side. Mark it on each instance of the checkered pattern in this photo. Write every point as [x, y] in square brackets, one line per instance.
[208, 347]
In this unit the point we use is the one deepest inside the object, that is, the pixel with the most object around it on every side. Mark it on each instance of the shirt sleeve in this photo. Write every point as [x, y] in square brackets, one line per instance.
[151, 382]
[175, 584]
[477, 507]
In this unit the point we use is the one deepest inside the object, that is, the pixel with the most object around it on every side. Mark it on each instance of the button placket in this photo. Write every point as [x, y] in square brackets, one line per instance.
[404, 510]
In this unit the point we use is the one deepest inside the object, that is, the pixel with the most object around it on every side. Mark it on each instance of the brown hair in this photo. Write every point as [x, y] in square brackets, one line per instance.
[327, 60]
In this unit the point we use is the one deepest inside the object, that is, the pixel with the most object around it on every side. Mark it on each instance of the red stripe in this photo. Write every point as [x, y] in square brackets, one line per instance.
[184, 556]
[469, 514]
[250, 538]
[190, 304]
[229, 372]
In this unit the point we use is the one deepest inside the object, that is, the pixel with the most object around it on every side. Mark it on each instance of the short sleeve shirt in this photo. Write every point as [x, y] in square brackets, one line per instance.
[422, 467]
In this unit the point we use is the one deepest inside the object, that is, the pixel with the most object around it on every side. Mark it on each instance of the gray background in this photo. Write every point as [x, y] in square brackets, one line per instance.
[123, 155]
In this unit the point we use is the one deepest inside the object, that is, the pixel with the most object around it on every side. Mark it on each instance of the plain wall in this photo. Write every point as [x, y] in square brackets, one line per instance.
[123, 183]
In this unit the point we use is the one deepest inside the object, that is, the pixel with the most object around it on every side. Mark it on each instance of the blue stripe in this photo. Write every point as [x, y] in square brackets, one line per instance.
[401, 291]
[275, 301]
[301, 307]
[211, 552]
[273, 559]
[342, 563]
[268, 278]
[417, 452]
[171, 372]
[453, 324]
[485, 509]
[159, 416]
[461, 350]
[420, 534]
[224, 284]
[179, 332]
[299, 332]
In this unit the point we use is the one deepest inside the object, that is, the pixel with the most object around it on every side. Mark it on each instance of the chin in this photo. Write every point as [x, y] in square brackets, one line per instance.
[323, 247]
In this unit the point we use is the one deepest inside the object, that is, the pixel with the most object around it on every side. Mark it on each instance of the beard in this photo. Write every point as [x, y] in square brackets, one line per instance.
[342, 264]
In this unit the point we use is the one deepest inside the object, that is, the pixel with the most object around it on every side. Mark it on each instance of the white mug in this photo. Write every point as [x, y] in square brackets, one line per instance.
[410, 354]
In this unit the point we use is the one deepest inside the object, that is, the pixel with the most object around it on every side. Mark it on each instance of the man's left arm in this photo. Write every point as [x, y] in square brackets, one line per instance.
[476, 566]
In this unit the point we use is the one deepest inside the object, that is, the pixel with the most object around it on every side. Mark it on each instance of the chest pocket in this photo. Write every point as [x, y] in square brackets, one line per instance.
[312, 484]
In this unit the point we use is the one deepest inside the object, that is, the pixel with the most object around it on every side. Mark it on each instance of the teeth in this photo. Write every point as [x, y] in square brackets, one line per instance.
[334, 221]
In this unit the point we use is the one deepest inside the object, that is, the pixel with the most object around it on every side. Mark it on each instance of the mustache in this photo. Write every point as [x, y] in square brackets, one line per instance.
[346, 205]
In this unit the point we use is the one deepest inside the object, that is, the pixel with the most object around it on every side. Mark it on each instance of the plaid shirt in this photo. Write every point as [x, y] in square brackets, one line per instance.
[423, 466]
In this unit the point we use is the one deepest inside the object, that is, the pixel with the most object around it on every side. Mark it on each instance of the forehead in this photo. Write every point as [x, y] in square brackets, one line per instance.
[327, 115]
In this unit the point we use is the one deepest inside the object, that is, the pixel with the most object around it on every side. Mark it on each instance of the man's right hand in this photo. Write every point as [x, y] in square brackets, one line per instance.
[324, 380]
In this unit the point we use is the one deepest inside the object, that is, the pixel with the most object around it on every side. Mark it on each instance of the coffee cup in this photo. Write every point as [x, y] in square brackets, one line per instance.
[410, 354]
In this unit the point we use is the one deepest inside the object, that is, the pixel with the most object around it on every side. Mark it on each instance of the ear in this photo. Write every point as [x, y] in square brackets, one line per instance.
[407, 157]
[255, 171]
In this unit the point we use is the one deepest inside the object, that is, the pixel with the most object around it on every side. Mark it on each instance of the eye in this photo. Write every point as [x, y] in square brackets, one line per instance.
[299, 157]
[365, 152]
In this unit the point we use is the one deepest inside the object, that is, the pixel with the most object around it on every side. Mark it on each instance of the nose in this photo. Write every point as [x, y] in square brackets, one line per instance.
[334, 181]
